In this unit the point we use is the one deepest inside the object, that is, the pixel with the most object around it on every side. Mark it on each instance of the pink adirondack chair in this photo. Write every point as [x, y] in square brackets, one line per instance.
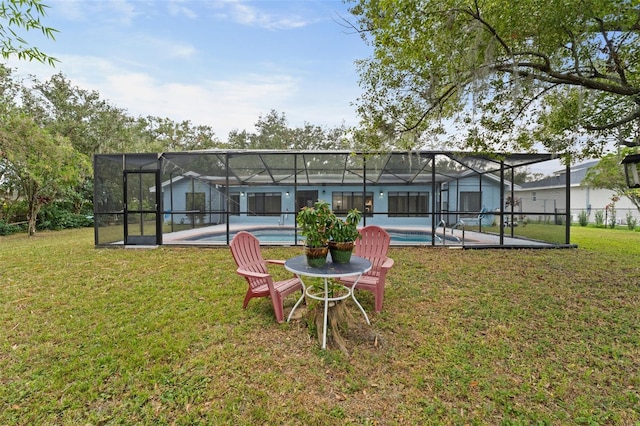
[245, 249]
[373, 246]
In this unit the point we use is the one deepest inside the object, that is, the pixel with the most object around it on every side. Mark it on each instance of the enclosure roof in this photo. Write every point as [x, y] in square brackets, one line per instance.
[277, 167]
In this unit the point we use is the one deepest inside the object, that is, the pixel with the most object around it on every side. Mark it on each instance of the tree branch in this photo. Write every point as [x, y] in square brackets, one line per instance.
[624, 120]
[476, 16]
[438, 102]
[612, 52]
[557, 77]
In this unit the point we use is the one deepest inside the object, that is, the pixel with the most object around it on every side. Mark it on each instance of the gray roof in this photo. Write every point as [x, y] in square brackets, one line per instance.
[577, 174]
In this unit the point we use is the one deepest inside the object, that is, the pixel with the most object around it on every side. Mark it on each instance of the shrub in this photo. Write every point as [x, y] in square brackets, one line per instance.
[583, 218]
[612, 218]
[55, 217]
[631, 221]
[599, 217]
[8, 229]
[14, 211]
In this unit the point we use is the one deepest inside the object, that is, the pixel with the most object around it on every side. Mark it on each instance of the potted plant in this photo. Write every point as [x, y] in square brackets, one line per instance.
[343, 233]
[314, 223]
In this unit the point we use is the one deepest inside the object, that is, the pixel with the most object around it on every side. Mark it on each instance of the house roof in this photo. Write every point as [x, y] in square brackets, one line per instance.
[577, 174]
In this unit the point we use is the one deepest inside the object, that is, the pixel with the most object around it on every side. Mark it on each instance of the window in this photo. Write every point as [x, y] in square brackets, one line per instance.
[234, 204]
[470, 202]
[196, 203]
[408, 203]
[264, 203]
[342, 202]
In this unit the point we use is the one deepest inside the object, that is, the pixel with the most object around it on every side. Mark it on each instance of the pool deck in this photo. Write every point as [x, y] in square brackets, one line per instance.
[471, 238]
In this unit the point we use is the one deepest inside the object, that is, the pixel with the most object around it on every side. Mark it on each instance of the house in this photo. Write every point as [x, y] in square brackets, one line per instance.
[546, 196]
[206, 196]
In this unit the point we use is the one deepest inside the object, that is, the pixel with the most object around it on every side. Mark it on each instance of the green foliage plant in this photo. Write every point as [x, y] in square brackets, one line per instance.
[612, 217]
[346, 230]
[314, 223]
[431, 59]
[632, 222]
[599, 218]
[8, 229]
[38, 164]
[56, 216]
[583, 218]
[610, 210]
[25, 15]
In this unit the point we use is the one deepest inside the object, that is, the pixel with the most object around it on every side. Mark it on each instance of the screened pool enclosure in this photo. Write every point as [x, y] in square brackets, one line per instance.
[421, 198]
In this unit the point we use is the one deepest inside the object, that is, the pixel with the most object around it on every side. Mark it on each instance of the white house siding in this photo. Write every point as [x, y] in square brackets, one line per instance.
[546, 198]
[591, 200]
[539, 204]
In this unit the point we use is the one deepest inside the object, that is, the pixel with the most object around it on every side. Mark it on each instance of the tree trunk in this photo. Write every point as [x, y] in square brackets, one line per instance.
[32, 216]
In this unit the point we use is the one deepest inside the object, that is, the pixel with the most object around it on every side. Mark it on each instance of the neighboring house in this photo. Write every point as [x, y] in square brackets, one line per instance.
[547, 195]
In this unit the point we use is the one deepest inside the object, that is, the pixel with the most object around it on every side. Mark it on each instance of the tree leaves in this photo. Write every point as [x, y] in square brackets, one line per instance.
[23, 15]
[37, 163]
[500, 66]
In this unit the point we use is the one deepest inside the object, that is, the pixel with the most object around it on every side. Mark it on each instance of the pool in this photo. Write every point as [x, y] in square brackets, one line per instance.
[264, 235]
[287, 236]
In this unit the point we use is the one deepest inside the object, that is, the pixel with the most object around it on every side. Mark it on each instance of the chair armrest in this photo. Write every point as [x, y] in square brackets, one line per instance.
[246, 273]
[387, 263]
[275, 261]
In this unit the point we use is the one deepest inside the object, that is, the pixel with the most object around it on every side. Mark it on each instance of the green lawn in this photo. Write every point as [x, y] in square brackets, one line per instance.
[114, 336]
[550, 233]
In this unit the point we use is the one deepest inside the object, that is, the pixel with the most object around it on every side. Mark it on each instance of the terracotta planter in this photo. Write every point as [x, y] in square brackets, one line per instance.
[341, 251]
[316, 256]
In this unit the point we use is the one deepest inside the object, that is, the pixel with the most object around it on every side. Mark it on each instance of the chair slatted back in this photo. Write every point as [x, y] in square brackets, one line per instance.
[245, 249]
[373, 246]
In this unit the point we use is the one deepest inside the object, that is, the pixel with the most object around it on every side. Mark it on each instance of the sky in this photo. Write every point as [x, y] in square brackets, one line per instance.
[221, 63]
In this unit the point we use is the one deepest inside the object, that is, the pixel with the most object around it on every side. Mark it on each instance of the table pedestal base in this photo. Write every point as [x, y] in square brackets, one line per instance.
[327, 299]
[356, 267]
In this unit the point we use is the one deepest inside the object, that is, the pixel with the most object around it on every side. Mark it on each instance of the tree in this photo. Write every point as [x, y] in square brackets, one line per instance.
[313, 137]
[23, 15]
[273, 132]
[37, 163]
[163, 134]
[507, 75]
[91, 124]
[609, 174]
[94, 126]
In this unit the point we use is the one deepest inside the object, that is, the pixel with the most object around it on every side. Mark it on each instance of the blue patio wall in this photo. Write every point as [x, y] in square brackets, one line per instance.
[174, 200]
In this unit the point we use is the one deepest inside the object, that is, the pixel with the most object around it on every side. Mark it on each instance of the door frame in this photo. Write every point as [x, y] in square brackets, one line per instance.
[142, 240]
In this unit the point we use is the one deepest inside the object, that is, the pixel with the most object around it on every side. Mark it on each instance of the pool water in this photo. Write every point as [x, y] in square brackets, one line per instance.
[288, 236]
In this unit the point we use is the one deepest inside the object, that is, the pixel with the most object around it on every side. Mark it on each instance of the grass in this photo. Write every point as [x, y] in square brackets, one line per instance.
[536, 231]
[99, 336]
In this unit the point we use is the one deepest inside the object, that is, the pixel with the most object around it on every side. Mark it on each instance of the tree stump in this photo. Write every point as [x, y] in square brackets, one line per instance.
[339, 320]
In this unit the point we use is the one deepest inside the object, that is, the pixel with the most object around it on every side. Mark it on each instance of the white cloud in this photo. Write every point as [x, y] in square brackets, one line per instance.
[118, 12]
[180, 75]
[123, 12]
[245, 14]
[179, 7]
[169, 48]
[72, 10]
[223, 104]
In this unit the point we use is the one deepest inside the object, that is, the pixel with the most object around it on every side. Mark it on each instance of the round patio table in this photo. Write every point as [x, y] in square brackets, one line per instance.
[357, 266]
